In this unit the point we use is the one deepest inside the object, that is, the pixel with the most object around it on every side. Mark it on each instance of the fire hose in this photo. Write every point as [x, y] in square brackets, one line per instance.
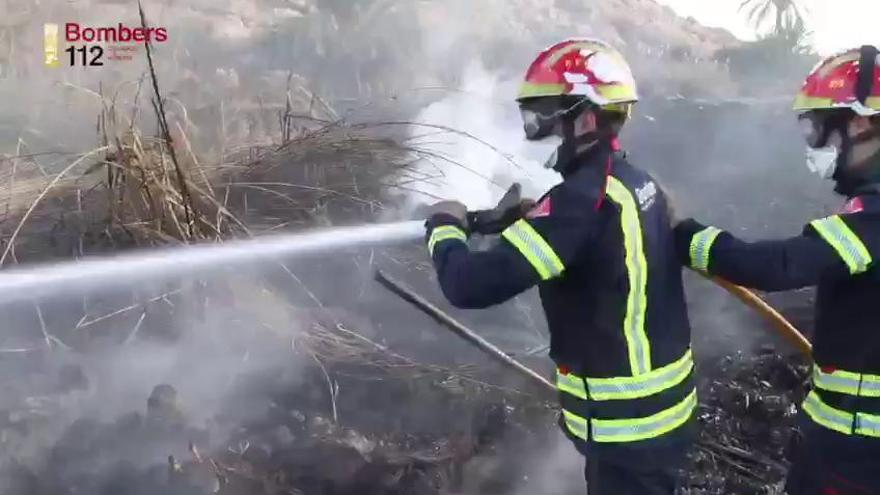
[783, 326]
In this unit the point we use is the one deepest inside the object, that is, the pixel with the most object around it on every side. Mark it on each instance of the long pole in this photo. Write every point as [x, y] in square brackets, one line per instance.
[461, 330]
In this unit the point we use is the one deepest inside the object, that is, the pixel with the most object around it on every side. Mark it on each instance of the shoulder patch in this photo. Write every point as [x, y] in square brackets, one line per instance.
[542, 209]
[646, 195]
[855, 205]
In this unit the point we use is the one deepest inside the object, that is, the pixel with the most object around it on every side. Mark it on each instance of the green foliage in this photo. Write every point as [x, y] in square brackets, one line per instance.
[784, 12]
[775, 62]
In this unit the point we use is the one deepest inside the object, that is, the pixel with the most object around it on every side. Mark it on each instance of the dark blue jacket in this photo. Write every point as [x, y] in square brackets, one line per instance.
[600, 248]
[838, 255]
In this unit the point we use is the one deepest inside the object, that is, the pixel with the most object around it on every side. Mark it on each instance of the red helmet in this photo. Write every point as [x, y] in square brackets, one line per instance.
[581, 67]
[839, 82]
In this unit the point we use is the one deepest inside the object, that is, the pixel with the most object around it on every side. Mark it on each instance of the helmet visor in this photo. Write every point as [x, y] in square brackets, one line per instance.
[535, 124]
[818, 127]
[540, 115]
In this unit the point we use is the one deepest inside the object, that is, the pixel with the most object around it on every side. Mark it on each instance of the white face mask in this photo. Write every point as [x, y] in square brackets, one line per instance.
[822, 161]
[543, 151]
[550, 163]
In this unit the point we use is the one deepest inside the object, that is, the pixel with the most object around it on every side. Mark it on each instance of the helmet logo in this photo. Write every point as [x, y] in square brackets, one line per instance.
[580, 67]
[580, 83]
[836, 83]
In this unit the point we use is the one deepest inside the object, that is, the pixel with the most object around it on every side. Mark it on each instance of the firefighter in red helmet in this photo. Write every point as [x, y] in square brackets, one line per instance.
[600, 248]
[838, 452]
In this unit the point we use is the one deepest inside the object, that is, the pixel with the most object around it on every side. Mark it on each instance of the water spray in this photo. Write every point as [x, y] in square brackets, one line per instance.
[134, 266]
[124, 269]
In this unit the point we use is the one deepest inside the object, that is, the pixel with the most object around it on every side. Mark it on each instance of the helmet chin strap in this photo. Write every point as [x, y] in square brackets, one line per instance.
[849, 180]
[850, 176]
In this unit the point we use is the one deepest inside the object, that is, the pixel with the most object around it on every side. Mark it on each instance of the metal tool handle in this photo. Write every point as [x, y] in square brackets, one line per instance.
[462, 331]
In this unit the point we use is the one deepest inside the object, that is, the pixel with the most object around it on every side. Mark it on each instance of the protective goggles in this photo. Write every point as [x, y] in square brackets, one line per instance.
[817, 127]
[540, 115]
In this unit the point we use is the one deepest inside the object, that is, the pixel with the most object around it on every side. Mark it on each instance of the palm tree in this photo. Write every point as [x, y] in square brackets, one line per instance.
[786, 12]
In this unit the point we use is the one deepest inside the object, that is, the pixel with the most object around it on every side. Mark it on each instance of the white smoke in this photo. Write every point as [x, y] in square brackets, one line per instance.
[483, 151]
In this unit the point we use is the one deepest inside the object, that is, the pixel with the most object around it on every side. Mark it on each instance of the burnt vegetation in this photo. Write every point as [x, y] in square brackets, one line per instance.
[301, 376]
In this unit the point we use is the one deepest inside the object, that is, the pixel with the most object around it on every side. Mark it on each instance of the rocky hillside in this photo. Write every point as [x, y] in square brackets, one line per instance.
[241, 52]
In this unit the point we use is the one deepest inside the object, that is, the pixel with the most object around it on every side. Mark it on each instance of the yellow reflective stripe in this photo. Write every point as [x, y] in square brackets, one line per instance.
[827, 416]
[571, 384]
[637, 270]
[632, 430]
[839, 420]
[701, 246]
[870, 386]
[803, 102]
[534, 248]
[617, 93]
[847, 382]
[868, 425]
[848, 245]
[533, 90]
[444, 233]
[636, 387]
[576, 425]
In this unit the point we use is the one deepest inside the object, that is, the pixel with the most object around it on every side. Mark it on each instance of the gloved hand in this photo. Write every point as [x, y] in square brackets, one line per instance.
[454, 209]
[508, 210]
[683, 233]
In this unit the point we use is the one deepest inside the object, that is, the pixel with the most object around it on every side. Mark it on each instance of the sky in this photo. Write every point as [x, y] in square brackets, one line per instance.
[836, 24]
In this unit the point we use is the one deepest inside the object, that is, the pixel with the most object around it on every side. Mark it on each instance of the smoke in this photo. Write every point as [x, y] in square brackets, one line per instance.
[482, 150]
[209, 350]
[559, 470]
[735, 165]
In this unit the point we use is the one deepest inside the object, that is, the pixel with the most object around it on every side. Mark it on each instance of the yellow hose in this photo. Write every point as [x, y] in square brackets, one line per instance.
[782, 326]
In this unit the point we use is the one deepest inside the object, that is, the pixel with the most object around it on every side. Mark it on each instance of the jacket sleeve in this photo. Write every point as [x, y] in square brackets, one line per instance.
[826, 248]
[530, 251]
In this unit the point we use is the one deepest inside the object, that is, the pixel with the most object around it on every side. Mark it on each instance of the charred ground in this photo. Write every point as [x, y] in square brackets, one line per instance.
[304, 376]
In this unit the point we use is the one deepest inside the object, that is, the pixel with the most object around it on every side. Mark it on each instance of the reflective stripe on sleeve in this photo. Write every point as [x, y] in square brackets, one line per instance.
[847, 244]
[535, 249]
[701, 246]
[445, 233]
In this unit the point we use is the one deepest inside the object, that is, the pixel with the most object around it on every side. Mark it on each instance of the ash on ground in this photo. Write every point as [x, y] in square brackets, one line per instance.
[747, 416]
[372, 437]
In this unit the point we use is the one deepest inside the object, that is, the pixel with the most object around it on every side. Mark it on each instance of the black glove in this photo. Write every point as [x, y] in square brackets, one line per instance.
[683, 233]
[508, 210]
